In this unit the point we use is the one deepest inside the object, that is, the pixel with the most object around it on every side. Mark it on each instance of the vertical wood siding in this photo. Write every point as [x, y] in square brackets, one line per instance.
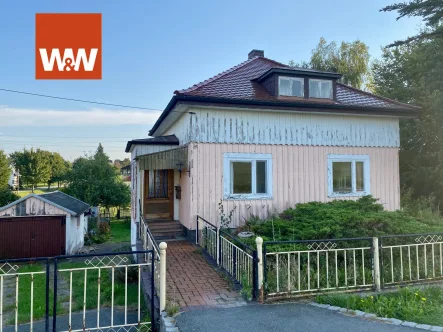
[299, 175]
[261, 127]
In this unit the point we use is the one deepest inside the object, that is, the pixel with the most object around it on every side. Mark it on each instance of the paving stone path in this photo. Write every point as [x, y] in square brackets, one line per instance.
[194, 284]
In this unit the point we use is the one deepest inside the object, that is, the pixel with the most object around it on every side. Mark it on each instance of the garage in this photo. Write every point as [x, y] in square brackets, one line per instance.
[32, 236]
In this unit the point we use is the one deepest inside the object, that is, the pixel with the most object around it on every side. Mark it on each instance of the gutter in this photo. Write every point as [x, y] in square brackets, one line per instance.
[338, 108]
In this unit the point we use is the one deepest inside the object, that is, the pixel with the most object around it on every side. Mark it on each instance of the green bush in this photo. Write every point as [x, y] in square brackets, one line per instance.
[7, 196]
[340, 219]
[417, 305]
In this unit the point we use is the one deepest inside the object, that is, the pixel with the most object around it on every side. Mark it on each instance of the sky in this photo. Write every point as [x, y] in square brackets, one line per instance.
[151, 49]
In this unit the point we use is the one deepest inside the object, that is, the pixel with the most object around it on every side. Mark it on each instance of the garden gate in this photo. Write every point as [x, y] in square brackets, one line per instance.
[94, 292]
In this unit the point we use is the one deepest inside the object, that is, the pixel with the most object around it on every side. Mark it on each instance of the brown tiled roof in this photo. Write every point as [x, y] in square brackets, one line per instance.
[238, 83]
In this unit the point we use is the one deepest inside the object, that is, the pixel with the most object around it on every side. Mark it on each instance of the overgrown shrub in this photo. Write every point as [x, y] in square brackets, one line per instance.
[340, 219]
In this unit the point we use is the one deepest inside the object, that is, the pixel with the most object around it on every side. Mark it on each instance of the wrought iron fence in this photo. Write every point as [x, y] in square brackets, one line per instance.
[411, 258]
[14, 274]
[207, 237]
[94, 292]
[236, 258]
[150, 244]
[298, 267]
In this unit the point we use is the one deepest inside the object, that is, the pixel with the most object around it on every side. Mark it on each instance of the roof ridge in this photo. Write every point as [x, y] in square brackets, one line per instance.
[59, 191]
[223, 73]
[378, 96]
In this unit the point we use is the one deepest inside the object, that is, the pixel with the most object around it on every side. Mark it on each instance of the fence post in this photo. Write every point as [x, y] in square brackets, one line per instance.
[196, 234]
[163, 247]
[376, 264]
[259, 242]
[218, 246]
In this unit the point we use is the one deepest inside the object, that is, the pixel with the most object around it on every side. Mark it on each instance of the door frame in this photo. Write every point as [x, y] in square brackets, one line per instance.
[170, 198]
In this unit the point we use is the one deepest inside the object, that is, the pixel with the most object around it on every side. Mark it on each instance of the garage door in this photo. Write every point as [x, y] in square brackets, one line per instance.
[32, 236]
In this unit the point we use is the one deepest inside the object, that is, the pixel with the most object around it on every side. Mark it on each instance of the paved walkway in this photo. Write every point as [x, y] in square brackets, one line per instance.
[279, 317]
[192, 283]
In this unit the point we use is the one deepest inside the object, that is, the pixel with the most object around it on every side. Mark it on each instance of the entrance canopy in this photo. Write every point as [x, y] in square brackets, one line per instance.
[169, 159]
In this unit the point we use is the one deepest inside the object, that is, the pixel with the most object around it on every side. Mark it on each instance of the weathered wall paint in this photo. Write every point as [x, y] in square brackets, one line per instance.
[261, 127]
[34, 207]
[299, 175]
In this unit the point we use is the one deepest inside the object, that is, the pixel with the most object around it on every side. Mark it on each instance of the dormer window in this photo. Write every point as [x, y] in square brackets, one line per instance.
[320, 88]
[291, 86]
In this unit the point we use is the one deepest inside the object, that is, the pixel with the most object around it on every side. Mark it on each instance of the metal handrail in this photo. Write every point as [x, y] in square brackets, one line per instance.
[203, 219]
[238, 240]
[148, 231]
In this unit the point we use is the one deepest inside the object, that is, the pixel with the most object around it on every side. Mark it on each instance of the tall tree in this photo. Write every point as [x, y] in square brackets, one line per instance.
[5, 171]
[413, 73]
[94, 180]
[431, 11]
[33, 165]
[349, 59]
[59, 169]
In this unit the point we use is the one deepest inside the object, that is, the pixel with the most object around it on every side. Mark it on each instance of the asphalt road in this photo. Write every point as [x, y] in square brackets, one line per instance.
[281, 318]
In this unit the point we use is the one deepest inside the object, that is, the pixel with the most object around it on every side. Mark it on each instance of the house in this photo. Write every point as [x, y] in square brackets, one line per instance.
[261, 137]
[13, 181]
[74, 215]
[125, 172]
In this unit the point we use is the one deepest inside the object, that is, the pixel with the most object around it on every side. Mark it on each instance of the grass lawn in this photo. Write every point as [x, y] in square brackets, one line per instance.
[121, 230]
[25, 192]
[423, 306]
[24, 295]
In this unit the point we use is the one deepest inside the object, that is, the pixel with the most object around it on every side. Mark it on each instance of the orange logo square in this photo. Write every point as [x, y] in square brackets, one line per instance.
[68, 46]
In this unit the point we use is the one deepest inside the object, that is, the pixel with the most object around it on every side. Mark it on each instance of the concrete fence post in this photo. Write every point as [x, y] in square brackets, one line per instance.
[163, 247]
[376, 267]
[259, 242]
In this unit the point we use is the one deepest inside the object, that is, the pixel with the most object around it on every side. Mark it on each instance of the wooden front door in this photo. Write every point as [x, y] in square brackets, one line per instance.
[159, 194]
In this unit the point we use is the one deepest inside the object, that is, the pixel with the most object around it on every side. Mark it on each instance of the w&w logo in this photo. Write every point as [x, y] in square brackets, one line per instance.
[68, 46]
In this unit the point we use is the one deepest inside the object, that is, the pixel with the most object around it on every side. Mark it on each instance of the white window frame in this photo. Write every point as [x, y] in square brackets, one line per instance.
[352, 158]
[229, 158]
[318, 80]
[302, 80]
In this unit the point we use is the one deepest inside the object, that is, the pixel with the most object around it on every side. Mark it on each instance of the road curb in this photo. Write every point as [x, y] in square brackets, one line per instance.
[393, 321]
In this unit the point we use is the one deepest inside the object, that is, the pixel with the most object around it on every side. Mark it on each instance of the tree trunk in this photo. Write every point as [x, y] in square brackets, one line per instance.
[33, 188]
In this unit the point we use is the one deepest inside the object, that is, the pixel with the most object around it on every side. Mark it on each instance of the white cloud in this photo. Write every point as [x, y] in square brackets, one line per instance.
[10, 117]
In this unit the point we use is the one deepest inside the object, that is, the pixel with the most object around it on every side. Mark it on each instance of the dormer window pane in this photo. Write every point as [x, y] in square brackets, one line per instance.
[320, 89]
[291, 86]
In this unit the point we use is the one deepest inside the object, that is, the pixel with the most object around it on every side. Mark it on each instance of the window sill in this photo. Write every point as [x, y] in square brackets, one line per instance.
[246, 197]
[353, 194]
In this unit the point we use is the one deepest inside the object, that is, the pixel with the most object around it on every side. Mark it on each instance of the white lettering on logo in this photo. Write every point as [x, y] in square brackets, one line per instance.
[68, 62]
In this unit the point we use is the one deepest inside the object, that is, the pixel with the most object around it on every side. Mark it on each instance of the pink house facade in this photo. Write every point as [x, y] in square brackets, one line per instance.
[262, 137]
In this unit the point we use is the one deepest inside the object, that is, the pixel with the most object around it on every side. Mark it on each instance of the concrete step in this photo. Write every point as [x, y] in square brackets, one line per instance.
[167, 234]
[154, 227]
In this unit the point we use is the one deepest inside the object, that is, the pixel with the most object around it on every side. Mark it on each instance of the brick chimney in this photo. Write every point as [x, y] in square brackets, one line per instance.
[255, 53]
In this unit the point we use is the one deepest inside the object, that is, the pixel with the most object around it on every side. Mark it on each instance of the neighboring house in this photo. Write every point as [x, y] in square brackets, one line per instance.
[13, 179]
[55, 203]
[262, 137]
[126, 173]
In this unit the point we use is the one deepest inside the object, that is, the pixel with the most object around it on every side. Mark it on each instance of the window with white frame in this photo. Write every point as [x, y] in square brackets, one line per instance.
[291, 86]
[348, 175]
[320, 89]
[247, 175]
